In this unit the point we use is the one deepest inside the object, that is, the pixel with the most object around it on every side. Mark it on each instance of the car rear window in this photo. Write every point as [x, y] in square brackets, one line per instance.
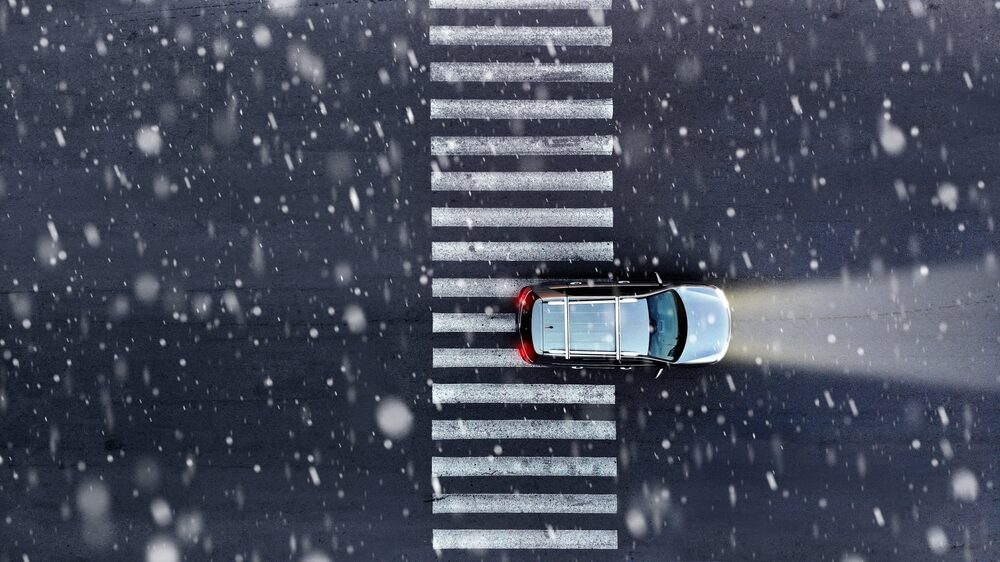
[548, 329]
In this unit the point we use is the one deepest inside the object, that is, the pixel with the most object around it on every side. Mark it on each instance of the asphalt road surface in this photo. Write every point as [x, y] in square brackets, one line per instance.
[258, 265]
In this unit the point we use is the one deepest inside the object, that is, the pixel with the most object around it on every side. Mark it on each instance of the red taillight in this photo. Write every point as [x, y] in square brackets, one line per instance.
[523, 298]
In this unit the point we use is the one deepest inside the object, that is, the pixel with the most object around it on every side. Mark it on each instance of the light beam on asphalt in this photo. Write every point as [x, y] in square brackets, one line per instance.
[932, 325]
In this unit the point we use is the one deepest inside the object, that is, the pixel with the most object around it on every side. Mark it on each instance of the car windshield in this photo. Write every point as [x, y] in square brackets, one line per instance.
[666, 325]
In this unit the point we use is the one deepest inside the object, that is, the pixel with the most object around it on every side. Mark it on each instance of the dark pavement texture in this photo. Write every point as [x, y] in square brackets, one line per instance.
[133, 388]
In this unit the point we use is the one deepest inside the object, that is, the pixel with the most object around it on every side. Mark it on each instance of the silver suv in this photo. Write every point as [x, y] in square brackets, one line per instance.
[622, 324]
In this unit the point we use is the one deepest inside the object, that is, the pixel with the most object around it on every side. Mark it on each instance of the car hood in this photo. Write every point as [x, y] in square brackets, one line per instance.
[709, 324]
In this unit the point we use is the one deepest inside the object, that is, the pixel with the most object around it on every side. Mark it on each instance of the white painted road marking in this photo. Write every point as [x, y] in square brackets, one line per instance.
[598, 467]
[480, 539]
[525, 503]
[521, 4]
[521, 109]
[591, 145]
[511, 35]
[482, 502]
[523, 394]
[522, 251]
[522, 429]
[479, 287]
[472, 322]
[522, 181]
[522, 72]
[520, 217]
[445, 358]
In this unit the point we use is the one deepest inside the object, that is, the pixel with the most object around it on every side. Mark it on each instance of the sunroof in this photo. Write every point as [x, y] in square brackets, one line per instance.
[592, 326]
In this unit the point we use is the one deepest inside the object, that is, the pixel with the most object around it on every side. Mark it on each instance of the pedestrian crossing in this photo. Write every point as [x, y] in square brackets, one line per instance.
[485, 397]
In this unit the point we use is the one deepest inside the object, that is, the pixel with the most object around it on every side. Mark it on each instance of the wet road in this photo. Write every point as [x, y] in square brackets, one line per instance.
[219, 278]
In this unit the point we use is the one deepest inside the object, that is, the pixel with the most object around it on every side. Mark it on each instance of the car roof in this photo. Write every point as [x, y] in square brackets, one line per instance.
[595, 326]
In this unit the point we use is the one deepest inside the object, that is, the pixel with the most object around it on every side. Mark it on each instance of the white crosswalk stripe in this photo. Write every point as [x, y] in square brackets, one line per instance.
[511, 35]
[520, 217]
[443, 430]
[472, 322]
[444, 467]
[521, 4]
[523, 393]
[526, 503]
[591, 145]
[503, 288]
[521, 72]
[522, 251]
[522, 109]
[521, 181]
[482, 539]
[456, 358]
